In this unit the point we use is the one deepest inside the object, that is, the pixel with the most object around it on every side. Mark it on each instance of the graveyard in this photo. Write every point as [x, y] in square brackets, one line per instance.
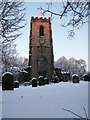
[36, 84]
[44, 98]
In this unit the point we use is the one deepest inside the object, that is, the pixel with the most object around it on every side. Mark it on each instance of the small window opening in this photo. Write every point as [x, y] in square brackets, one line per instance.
[41, 31]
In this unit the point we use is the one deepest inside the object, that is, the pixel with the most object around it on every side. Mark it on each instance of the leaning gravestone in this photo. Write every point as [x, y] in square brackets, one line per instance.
[7, 81]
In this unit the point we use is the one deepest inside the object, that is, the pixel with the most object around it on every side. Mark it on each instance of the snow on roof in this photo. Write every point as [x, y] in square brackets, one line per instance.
[6, 73]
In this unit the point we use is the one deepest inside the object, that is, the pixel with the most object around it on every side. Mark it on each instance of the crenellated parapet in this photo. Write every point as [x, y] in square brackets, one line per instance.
[34, 19]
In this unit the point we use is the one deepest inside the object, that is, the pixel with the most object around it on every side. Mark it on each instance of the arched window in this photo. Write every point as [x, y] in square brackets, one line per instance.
[41, 31]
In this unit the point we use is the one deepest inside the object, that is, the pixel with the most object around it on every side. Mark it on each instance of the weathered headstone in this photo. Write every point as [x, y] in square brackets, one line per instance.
[75, 78]
[46, 80]
[41, 81]
[16, 84]
[64, 77]
[56, 79]
[7, 81]
[86, 77]
[34, 82]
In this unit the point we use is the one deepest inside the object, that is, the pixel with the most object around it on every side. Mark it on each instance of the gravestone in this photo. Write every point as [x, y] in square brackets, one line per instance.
[41, 81]
[7, 81]
[16, 84]
[56, 79]
[86, 77]
[75, 78]
[46, 80]
[34, 82]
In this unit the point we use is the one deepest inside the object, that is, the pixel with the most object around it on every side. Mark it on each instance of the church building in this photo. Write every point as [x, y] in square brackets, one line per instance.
[41, 58]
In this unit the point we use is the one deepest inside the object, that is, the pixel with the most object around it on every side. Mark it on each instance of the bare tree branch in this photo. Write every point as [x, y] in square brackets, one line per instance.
[11, 19]
[85, 113]
[77, 12]
[73, 113]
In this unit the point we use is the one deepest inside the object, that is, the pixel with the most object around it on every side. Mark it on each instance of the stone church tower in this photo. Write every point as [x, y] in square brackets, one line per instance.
[41, 57]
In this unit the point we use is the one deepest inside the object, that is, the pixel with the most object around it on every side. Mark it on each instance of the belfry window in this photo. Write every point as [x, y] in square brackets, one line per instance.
[41, 31]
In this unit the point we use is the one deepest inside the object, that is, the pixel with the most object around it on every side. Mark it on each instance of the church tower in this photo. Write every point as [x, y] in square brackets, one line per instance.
[41, 57]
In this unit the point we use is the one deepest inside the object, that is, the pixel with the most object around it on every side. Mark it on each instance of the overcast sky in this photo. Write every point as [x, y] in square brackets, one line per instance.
[63, 46]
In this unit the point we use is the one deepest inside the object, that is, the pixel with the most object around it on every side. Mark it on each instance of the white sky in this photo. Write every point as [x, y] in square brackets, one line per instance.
[77, 48]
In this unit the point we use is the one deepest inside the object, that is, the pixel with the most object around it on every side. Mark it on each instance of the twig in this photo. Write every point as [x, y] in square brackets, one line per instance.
[74, 113]
[85, 113]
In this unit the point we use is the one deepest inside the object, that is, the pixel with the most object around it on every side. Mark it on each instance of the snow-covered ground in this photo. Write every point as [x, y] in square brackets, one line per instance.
[0, 103]
[45, 101]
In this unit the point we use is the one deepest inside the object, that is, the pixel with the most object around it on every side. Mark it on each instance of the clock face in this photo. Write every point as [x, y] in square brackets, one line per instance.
[42, 41]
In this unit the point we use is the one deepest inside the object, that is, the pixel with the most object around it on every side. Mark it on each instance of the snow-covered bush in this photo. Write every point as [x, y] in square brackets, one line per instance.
[72, 65]
[23, 77]
[15, 72]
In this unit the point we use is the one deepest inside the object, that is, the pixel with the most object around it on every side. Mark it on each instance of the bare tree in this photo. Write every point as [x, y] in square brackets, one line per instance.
[9, 56]
[11, 19]
[11, 22]
[76, 12]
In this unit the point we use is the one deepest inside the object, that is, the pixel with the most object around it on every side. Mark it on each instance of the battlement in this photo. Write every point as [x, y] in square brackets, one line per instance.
[34, 19]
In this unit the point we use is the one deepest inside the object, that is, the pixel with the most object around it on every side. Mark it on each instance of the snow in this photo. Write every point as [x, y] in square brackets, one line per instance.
[24, 71]
[40, 77]
[46, 101]
[74, 75]
[6, 73]
[34, 78]
[0, 103]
